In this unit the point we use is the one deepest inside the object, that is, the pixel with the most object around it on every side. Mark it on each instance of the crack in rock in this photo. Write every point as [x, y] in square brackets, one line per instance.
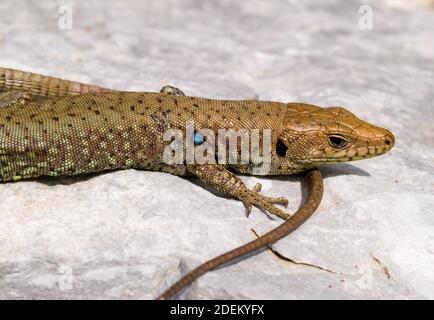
[382, 266]
[290, 260]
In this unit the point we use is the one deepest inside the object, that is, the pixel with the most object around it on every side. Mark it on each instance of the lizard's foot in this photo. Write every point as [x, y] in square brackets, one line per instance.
[279, 200]
[254, 198]
[225, 181]
[171, 90]
[13, 97]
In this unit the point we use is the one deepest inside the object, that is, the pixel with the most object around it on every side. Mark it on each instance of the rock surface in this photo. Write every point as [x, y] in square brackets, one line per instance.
[129, 234]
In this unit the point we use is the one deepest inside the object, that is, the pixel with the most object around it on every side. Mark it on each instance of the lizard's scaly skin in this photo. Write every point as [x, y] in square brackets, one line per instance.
[117, 130]
[82, 128]
[315, 192]
[40, 85]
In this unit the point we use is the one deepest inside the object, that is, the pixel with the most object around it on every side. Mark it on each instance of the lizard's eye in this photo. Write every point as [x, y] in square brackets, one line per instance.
[337, 142]
[281, 148]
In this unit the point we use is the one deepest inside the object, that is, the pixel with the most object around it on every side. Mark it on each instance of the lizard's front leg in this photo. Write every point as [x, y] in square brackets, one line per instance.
[10, 98]
[225, 181]
[171, 90]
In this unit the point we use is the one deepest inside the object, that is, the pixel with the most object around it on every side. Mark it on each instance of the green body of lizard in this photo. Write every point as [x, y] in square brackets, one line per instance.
[55, 127]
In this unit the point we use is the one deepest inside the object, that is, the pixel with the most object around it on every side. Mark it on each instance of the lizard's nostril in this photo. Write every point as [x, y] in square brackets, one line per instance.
[389, 140]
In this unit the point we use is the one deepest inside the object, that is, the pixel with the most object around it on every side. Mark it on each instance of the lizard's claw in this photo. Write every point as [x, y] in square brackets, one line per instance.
[257, 188]
[248, 208]
[279, 200]
[254, 198]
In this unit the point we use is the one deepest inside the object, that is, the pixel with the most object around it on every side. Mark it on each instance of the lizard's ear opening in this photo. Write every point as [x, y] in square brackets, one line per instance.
[281, 148]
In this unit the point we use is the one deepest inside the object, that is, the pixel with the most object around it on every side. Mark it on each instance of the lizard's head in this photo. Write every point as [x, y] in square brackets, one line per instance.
[312, 135]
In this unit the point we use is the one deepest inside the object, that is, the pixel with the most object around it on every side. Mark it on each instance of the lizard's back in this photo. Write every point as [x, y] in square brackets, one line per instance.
[103, 131]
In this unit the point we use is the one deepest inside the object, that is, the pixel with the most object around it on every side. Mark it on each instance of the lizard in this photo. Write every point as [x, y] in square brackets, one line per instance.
[55, 127]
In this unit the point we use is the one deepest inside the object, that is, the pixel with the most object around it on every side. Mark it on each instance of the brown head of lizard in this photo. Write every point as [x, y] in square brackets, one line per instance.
[312, 136]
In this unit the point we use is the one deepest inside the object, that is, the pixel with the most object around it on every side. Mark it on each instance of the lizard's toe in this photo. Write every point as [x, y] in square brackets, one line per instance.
[264, 203]
[254, 198]
[257, 188]
[248, 208]
[279, 200]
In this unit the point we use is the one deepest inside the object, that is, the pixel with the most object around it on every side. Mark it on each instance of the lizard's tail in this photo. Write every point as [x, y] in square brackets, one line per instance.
[315, 191]
[41, 85]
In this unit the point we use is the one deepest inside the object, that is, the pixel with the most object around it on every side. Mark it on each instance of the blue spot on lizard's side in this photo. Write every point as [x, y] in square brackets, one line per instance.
[197, 138]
